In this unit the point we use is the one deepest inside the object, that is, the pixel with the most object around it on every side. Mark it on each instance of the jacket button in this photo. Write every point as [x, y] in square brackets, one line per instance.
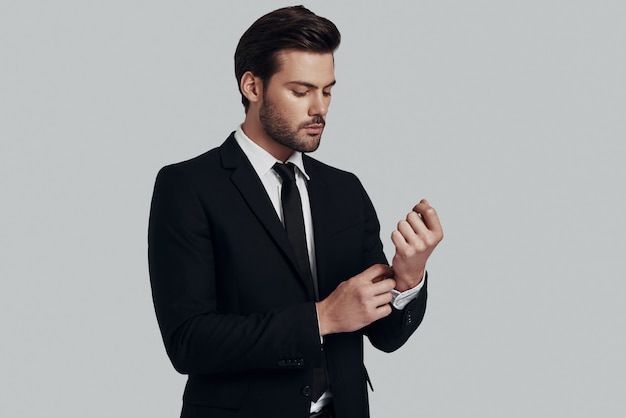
[306, 391]
[409, 319]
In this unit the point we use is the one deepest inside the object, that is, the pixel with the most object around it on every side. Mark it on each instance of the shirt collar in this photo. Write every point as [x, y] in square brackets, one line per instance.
[261, 160]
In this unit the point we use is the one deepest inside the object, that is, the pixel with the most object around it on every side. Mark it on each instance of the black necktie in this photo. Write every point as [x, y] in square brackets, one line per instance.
[294, 221]
[294, 226]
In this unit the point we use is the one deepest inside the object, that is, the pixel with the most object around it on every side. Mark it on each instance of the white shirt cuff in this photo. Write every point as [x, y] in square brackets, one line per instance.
[401, 299]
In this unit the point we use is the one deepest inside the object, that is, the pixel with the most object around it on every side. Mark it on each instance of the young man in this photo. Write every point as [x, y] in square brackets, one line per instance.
[266, 276]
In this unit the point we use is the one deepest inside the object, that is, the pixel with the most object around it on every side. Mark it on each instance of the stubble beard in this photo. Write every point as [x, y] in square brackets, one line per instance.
[281, 132]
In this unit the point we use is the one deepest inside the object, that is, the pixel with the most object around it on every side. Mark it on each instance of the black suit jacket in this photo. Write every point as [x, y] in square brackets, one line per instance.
[233, 309]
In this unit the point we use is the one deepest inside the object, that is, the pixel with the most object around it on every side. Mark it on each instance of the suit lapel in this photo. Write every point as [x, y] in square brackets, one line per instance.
[249, 185]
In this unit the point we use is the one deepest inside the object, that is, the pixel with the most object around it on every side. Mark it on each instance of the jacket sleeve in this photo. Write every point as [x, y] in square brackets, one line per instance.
[199, 337]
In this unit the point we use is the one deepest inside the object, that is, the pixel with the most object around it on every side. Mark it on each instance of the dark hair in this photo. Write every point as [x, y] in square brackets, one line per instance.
[283, 29]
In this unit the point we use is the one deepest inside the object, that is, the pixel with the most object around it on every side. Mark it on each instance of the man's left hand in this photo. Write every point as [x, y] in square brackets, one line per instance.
[415, 239]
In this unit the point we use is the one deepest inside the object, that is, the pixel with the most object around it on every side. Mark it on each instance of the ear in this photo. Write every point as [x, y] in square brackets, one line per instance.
[251, 87]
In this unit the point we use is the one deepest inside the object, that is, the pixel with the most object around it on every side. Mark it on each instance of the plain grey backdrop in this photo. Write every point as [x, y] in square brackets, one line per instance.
[508, 116]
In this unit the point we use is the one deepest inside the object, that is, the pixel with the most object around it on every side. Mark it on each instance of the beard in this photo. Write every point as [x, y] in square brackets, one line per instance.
[279, 129]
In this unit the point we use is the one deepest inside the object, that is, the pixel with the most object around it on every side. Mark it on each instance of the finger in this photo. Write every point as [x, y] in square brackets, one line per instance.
[379, 278]
[382, 300]
[377, 270]
[429, 216]
[382, 287]
[399, 241]
[416, 221]
[412, 231]
[422, 203]
[421, 206]
[383, 310]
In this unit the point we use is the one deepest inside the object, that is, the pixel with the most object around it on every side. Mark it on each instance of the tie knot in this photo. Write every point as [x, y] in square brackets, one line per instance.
[285, 171]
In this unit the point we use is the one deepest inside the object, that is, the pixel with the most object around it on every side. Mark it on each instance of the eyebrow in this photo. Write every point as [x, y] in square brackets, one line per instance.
[310, 85]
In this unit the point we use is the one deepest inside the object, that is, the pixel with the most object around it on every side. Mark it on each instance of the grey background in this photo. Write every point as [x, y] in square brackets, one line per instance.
[508, 116]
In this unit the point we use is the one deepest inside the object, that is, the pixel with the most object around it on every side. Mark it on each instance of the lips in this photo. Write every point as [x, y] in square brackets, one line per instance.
[315, 128]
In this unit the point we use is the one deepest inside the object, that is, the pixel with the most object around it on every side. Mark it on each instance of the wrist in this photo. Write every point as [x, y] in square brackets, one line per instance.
[408, 282]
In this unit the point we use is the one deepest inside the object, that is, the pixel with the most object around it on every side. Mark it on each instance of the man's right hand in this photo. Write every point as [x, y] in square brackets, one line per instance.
[357, 302]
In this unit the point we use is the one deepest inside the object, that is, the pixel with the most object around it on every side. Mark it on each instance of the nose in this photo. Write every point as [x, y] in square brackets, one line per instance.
[319, 104]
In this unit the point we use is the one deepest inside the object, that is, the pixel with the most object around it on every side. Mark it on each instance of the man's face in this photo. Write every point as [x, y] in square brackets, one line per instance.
[296, 100]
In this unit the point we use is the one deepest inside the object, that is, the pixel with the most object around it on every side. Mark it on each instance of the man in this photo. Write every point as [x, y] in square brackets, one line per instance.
[268, 322]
